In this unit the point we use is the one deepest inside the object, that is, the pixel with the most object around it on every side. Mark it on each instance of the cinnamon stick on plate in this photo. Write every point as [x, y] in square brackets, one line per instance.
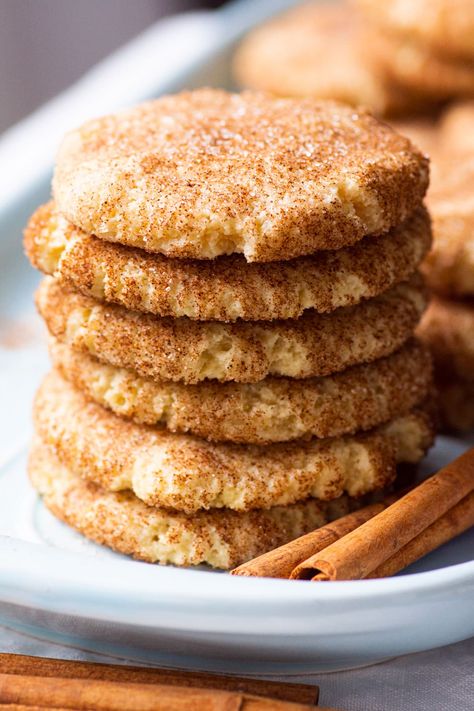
[280, 562]
[383, 538]
[452, 524]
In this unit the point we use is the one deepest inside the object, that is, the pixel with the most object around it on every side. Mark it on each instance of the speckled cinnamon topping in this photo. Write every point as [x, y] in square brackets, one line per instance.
[226, 288]
[191, 351]
[207, 173]
[185, 473]
[222, 538]
[273, 410]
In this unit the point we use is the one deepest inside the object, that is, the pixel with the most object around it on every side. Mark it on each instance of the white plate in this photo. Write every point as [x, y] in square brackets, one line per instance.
[56, 585]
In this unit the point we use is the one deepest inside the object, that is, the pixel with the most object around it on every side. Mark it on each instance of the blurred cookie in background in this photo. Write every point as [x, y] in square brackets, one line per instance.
[446, 27]
[448, 329]
[423, 46]
[314, 50]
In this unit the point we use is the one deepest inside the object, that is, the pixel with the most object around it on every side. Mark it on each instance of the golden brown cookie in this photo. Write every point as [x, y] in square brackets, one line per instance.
[226, 288]
[187, 474]
[441, 26]
[273, 410]
[206, 173]
[192, 351]
[313, 50]
[122, 522]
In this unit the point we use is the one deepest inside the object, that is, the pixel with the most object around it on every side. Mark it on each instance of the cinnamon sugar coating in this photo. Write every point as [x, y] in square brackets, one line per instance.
[441, 26]
[206, 173]
[188, 474]
[313, 50]
[227, 288]
[273, 410]
[122, 522]
[192, 351]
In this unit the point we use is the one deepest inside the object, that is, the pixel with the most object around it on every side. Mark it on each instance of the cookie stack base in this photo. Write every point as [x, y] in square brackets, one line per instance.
[119, 520]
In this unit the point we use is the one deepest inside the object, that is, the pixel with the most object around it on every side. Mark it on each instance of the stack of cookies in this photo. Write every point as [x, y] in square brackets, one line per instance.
[232, 293]
[448, 326]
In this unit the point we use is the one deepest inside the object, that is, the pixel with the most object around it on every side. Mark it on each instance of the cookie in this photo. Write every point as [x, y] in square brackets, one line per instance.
[408, 64]
[273, 410]
[449, 267]
[445, 27]
[448, 329]
[207, 173]
[313, 50]
[227, 288]
[188, 474]
[456, 400]
[192, 351]
[222, 539]
[456, 132]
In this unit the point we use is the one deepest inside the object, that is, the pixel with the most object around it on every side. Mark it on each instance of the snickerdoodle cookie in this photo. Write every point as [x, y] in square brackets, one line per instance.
[207, 173]
[164, 348]
[273, 410]
[122, 522]
[313, 50]
[226, 288]
[188, 474]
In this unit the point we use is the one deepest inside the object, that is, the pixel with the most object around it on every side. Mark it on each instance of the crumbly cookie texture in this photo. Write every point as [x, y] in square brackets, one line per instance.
[443, 26]
[206, 173]
[448, 329]
[192, 351]
[285, 56]
[222, 539]
[273, 410]
[227, 288]
[188, 474]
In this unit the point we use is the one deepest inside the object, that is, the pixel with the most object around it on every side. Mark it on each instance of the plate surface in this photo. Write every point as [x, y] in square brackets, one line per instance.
[56, 585]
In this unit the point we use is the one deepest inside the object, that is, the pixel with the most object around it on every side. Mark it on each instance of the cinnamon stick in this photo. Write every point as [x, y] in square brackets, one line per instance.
[61, 668]
[280, 562]
[93, 695]
[358, 554]
[457, 520]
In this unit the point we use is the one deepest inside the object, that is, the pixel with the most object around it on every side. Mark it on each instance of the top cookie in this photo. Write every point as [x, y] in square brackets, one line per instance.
[313, 50]
[207, 173]
[444, 26]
